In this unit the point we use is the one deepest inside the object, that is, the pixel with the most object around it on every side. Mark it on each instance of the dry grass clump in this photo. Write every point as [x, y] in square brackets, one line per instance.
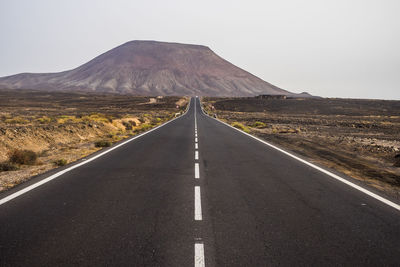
[143, 127]
[18, 157]
[129, 125]
[240, 126]
[66, 118]
[98, 117]
[102, 143]
[7, 166]
[156, 121]
[44, 120]
[278, 130]
[60, 162]
[259, 124]
[16, 120]
[22, 157]
[94, 117]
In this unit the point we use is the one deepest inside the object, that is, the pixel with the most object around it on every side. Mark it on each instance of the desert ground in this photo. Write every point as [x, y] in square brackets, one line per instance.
[360, 138]
[40, 130]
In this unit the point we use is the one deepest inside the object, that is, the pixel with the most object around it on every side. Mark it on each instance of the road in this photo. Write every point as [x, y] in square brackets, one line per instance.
[196, 192]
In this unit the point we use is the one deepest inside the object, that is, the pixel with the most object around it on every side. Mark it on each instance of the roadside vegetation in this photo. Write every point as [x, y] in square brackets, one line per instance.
[60, 162]
[41, 130]
[102, 143]
[8, 166]
[259, 125]
[241, 126]
[22, 157]
[17, 158]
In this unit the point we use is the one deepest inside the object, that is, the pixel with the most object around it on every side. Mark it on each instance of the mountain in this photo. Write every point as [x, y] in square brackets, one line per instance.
[151, 68]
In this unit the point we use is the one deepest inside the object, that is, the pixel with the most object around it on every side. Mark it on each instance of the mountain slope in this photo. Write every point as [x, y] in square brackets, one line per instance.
[151, 68]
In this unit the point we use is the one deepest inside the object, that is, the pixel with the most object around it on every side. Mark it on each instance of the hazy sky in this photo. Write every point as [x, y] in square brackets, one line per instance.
[339, 48]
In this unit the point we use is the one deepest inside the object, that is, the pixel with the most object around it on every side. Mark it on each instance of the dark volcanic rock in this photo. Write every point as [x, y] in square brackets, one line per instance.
[151, 68]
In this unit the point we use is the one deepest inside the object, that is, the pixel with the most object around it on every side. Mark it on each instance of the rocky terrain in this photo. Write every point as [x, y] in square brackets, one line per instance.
[357, 137]
[151, 68]
[60, 128]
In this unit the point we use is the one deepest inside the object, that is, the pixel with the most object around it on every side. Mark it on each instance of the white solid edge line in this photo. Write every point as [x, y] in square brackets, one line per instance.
[199, 255]
[196, 146]
[197, 204]
[196, 155]
[196, 171]
[337, 177]
[52, 177]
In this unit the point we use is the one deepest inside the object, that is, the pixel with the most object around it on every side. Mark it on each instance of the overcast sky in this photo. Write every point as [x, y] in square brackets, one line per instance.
[338, 48]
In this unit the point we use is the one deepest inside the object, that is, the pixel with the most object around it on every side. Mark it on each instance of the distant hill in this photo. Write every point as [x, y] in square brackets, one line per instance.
[151, 68]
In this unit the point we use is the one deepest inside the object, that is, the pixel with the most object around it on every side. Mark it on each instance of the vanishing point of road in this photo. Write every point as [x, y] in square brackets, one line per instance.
[194, 192]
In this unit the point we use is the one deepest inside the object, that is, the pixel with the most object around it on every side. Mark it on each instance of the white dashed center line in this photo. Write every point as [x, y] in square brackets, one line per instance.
[196, 171]
[199, 255]
[199, 259]
[197, 204]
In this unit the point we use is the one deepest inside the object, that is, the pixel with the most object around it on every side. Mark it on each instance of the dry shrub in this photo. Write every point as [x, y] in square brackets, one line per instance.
[127, 125]
[60, 162]
[241, 127]
[143, 127]
[22, 157]
[44, 120]
[102, 143]
[7, 166]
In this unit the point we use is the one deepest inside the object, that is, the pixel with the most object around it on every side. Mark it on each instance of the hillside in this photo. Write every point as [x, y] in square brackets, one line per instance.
[151, 68]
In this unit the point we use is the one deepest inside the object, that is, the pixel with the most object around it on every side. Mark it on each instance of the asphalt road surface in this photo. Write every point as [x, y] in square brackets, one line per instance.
[196, 192]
